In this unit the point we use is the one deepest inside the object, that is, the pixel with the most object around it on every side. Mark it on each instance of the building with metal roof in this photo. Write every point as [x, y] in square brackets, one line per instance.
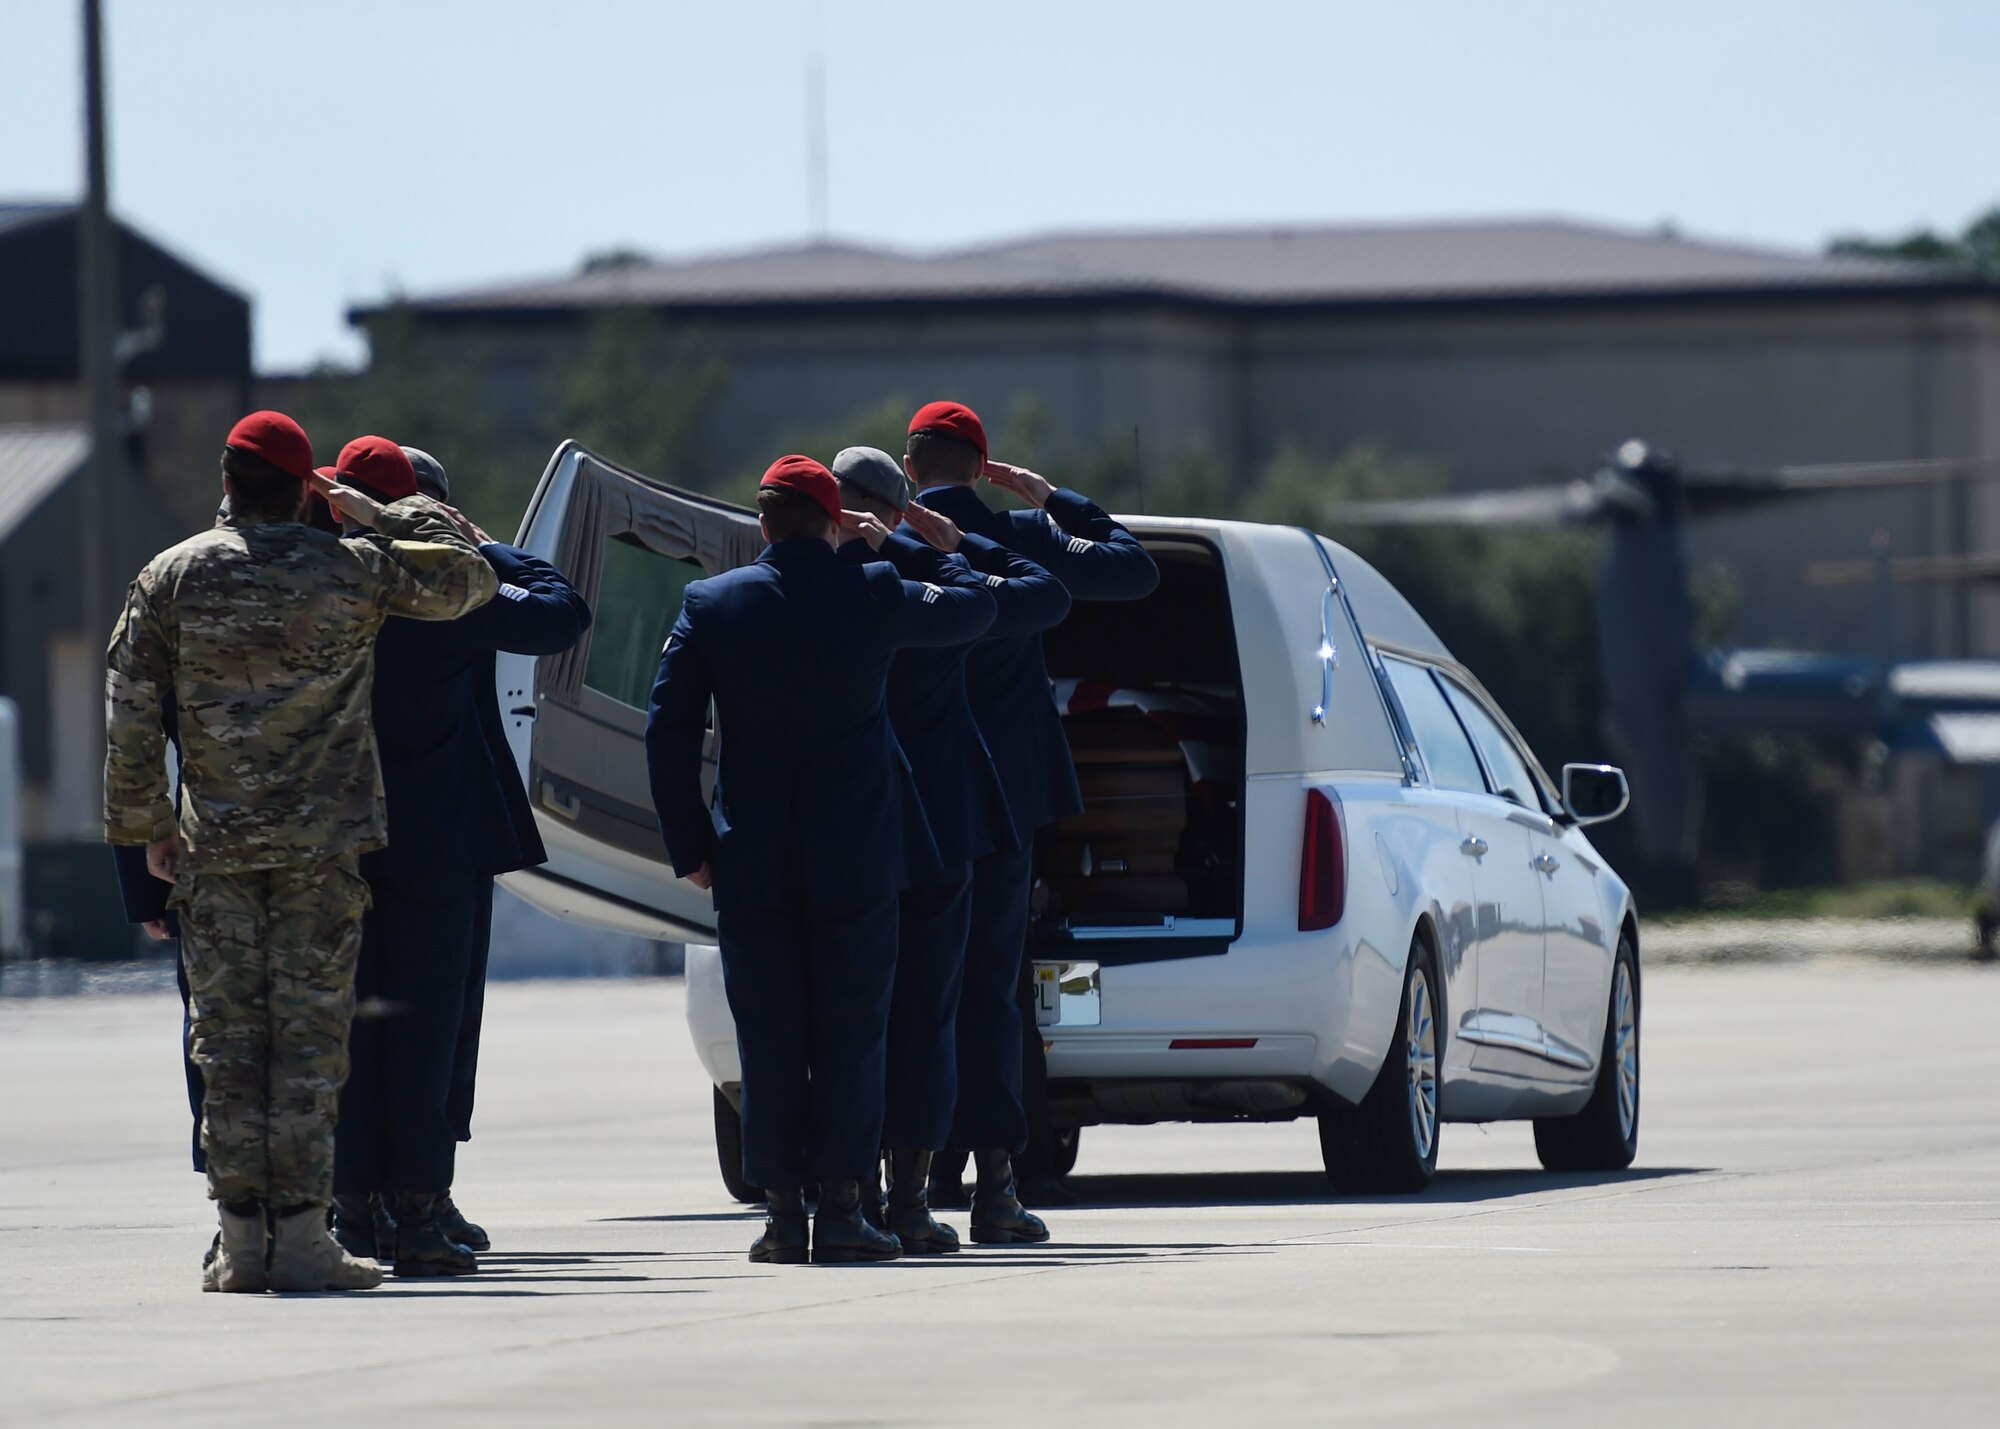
[187, 376]
[1355, 265]
[1501, 352]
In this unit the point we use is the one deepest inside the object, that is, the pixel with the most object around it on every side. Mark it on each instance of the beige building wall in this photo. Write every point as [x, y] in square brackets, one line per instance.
[1496, 396]
[1502, 398]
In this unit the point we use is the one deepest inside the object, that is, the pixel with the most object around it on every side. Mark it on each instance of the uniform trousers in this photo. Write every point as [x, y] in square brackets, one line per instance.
[810, 990]
[989, 1112]
[189, 1070]
[270, 966]
[933, 919]
[465, 1061]
[396, 1129]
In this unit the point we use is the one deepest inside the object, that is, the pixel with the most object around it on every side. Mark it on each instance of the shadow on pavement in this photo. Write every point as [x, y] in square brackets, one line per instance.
[463, 1286]
[1292, 1188]
[531, 1272]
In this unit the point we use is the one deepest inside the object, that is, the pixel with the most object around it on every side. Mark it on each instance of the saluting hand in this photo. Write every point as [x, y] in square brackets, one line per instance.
[940, 531]
[865, 525]
[1033, 489]
[347, 501]
[467, 527]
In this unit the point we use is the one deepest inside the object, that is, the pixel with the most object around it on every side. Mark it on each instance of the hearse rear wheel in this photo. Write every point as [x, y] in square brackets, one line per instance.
[729, 1151]
[1388, 1145]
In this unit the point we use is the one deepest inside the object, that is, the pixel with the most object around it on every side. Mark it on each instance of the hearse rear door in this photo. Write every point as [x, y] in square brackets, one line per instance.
[576, 721]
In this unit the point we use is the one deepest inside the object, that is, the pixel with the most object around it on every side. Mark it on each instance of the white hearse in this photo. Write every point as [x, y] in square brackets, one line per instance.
[1317, 874]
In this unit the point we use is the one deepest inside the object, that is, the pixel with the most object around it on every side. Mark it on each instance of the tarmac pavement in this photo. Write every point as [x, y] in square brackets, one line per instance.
[1812, 1235]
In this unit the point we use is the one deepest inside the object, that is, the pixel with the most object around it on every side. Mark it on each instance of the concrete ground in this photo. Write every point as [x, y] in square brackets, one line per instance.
[1812, 1235]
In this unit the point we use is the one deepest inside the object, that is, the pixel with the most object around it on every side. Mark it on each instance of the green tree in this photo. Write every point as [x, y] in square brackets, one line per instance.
[632, 389]
[638, 392]
[880, 424]
[1975, 251]
[420, 394]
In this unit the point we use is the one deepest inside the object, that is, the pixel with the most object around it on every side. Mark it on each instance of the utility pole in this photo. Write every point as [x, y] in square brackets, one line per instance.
[97, 341]
[816, 187]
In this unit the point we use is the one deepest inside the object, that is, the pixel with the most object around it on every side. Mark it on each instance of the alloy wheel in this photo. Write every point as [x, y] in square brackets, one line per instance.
[1625, 1050]
[1420, 1046]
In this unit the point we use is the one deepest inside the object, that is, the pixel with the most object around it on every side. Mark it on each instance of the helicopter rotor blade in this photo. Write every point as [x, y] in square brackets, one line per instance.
[1905, 570]
[1567, 505]
[1711, 490]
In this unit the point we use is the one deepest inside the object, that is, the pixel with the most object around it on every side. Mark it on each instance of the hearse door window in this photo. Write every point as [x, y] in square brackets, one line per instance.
[632, 546]
[639, 597]
[1447, 755]
[1509, 771]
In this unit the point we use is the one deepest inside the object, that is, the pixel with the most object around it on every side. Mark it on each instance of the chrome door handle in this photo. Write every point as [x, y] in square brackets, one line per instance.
[1329, 657]
[1547, 863]
[1474, 845]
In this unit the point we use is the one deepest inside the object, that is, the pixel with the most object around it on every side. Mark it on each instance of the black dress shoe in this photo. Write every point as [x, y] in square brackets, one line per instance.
[910, 1219]
[422, 1247]
[997, 1217]
[455, 1225]
[363, 1225]
[875, 1206]
[947, 1181]
[841, 1234]
[784, 1239]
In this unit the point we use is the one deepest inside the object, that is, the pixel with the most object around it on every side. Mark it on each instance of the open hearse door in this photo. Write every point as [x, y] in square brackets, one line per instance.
[576, 722]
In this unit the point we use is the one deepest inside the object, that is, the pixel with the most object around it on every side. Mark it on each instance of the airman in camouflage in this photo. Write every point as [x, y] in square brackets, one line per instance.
[264, 631]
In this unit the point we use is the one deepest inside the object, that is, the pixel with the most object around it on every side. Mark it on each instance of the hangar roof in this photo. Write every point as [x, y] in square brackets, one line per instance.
[34, 462]
[1239, 267]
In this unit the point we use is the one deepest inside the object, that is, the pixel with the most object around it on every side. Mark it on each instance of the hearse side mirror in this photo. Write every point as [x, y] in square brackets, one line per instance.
[1593, 793]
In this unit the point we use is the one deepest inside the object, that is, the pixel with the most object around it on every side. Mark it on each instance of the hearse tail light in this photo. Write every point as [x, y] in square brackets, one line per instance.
[1322, 864]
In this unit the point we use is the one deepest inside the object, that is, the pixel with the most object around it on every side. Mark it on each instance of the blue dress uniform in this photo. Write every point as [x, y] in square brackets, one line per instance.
[1007, 680]
[815, 825]
[452, 827]
[555, 618]
[966, 806]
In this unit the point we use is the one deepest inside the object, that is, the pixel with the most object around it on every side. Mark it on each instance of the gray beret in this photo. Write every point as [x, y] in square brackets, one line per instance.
[430, 474]
[875, 472]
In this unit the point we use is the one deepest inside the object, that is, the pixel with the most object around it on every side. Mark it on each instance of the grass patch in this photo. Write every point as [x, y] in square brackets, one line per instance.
[1890, 898]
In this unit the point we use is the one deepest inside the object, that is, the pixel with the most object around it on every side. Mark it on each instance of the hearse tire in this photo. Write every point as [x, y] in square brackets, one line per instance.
[729, 1151]
[1388, 1144]
[1604, 1135]
[1067, 1138]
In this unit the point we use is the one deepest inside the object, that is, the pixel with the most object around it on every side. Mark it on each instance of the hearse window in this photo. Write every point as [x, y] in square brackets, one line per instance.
[1447, 755]
[1509, 771]
[637, 602]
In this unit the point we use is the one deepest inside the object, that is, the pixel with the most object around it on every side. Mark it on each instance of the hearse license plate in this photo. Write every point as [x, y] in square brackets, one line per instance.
[1048, 994]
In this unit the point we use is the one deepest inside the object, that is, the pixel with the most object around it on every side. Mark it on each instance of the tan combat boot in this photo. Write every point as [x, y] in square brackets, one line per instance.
[237, 1261]
[304, 1256]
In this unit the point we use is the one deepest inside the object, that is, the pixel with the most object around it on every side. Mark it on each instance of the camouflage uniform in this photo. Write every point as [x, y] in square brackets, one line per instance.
[265, 633]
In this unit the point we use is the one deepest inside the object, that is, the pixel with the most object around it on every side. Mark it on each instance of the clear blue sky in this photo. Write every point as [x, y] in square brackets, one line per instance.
[316, 153]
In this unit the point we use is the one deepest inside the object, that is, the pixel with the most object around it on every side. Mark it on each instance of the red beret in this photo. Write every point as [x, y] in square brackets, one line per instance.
[804, 475]
[276, 438]
[378, 466]
[954, 419]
